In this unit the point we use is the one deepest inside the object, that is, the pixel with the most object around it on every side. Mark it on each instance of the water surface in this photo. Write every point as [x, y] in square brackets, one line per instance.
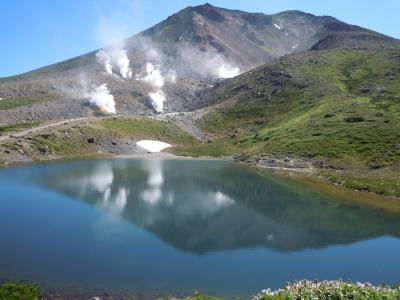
[169, 226]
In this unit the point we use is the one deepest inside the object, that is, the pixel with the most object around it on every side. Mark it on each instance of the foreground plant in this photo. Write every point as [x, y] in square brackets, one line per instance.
[19, 291]
[324, 290]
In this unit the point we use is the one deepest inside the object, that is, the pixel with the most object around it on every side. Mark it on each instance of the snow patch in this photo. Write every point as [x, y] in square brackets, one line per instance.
[277, 26]
[295, 46]
[153, 146]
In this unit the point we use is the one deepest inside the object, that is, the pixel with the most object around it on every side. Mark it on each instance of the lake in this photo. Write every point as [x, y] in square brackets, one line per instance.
[172, 226]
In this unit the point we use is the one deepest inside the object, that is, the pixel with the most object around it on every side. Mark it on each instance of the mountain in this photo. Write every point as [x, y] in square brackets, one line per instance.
[252, 39]
[297, 91]
[197, 44]
[246, 39]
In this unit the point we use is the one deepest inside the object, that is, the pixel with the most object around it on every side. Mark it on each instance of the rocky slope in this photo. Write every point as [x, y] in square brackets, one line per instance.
[251, 39]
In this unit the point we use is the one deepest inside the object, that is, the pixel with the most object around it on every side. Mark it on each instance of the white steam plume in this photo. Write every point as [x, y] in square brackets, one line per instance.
[156, 73]
[208, 63]
[82, 88]
[226, 70]
[111, 30]
[115, 58]
[155, 77]
[123, 64]
[101, 99]
[104, 59]
[157, 100]
[156, 80]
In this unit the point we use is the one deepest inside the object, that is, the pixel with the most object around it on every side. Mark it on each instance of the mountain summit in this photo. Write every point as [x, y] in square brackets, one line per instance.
[251, 39]
[245, 39]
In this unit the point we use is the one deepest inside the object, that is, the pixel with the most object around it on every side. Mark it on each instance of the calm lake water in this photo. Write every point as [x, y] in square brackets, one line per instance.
[167, 226]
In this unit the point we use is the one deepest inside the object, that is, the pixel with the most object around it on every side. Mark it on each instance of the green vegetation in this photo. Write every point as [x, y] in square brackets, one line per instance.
[147, 128]
[71, 141]
[68, 143]
[333, 290]
[198, 296]
[336, 108]
[10, 103]
[306, 290]
[324, 290]
[384, 182]
[16, 127]
[19, 291]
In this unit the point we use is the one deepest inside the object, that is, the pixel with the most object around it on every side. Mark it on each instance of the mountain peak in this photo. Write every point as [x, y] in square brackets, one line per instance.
[207, 5]
[243, 39]
[210, 12]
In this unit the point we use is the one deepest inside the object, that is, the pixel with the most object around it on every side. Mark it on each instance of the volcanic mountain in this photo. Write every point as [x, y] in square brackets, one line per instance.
[195, 46]
[252, 39]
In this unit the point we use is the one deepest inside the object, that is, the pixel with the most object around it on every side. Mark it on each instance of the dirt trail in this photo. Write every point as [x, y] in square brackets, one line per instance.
[32, 130]
[186, 121]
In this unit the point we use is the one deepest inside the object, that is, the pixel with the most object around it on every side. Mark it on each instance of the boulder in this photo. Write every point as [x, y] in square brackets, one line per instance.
[44, 149]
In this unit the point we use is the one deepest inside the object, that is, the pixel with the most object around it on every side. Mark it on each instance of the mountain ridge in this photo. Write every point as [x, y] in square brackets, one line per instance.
[161, 34]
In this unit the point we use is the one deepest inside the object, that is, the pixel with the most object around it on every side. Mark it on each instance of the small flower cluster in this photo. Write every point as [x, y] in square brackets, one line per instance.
[337, 289]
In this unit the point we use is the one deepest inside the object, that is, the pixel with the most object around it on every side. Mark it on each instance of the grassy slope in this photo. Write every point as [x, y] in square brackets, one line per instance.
[147, 128]
[4, 129]
[70, 141]
[108, 129]
[340, 107]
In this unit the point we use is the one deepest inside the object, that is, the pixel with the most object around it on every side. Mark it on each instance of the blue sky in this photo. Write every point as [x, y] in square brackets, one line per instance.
[35, 33]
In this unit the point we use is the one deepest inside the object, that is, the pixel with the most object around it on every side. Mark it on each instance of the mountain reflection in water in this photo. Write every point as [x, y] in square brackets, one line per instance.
[203, 206]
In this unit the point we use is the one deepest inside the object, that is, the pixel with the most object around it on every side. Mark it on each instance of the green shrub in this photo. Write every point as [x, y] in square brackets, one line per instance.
[198, 296]
[354, 119]
[19, 291]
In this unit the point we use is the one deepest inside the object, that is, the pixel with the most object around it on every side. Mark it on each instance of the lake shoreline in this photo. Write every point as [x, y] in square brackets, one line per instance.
[305, 175]
[117, 136]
